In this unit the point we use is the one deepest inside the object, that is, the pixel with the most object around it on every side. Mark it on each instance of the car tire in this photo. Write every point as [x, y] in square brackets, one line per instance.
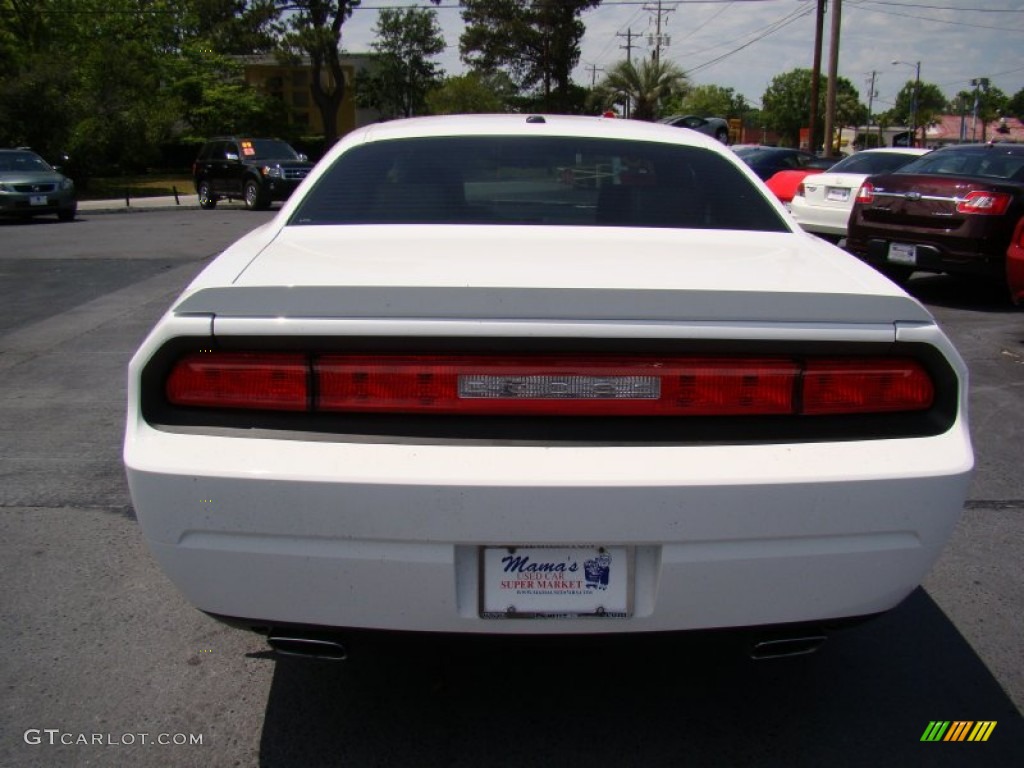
[206, 199]
[255, 199]
[722, 135]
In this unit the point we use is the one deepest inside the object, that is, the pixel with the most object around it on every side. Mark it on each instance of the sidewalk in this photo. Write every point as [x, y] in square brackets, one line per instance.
[142, 204]
[139, 204]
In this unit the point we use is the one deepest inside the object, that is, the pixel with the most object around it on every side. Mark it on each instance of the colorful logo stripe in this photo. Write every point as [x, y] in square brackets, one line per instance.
[958, 730]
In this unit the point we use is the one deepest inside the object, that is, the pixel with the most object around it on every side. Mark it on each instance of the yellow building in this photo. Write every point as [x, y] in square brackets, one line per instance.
[291, 84]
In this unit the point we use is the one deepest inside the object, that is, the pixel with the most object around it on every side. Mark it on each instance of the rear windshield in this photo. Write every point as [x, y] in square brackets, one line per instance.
[988, 161]
[873, 162]
[558, 181]
[268, 149]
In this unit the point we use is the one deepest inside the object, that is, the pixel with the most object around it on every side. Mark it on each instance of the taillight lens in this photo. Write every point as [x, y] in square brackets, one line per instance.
[866, 193]
[865, 386]
[800, 190]
[980, 202]
[562, 385]
[273, 381]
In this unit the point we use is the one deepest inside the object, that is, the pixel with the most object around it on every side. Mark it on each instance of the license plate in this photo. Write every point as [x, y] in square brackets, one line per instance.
[555, 582]
[901, 253]
[837, 194]
[38, 200]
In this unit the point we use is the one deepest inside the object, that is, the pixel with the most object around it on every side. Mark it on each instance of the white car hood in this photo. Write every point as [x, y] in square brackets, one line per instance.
[545, 273]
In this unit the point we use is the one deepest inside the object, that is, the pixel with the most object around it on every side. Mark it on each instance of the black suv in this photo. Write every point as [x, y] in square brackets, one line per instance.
[257, 171]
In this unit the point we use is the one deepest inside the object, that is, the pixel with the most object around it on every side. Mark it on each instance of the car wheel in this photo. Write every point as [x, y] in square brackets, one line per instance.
[206, 198]
[722, 134]
[254, 197]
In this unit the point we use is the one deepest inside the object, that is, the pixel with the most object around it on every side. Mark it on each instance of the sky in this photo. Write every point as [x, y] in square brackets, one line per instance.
[743, 44]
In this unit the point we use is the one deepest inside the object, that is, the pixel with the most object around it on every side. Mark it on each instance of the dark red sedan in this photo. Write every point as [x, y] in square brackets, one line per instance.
[953, 210]
[1015, 264]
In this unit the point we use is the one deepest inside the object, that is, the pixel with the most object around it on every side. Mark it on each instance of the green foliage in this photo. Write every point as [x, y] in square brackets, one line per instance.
[402, 75]
[109, 81]
[708, 101]
[1015, 105]
[644, 87]
[472, 93]
[992, 103]
[535, 42]
[930, 103]
[786, 104]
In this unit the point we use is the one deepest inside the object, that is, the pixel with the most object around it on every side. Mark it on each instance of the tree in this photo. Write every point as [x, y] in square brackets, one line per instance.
[535, 42]
[786, 105]
[471, 93]
[1015, 106]
[402, 75]
[709, 100]
[644, 87]
[929, 103]
[314, 30]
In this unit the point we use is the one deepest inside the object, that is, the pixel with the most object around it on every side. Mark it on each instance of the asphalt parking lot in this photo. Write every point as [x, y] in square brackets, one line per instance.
[106, 664]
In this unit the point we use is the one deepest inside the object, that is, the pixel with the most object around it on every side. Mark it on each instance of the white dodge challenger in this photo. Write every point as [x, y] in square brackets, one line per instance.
[542, 375]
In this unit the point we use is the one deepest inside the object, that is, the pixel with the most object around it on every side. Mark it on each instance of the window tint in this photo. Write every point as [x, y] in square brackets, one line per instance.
[536, 181]
[22, 162]
[986, 162]
[872, 162]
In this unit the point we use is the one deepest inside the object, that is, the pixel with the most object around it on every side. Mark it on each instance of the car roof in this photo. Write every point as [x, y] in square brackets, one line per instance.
[528, 125]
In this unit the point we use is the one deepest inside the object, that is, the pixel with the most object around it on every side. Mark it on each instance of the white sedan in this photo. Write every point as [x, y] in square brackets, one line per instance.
[536, 375]
[823, 202]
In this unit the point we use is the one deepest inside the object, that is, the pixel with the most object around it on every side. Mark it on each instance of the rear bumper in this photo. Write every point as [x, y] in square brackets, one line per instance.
[819, 220]
[388, 536]
[932, 255]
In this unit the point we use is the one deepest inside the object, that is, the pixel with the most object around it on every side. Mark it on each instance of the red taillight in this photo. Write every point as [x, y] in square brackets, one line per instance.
[865, 386]
[980, 202]
[866, 193]
[562, 385]
[271, 381]
[801, 191]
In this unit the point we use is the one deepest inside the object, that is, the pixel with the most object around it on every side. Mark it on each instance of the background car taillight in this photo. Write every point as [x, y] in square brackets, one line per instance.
[800, 190]
[984, 203]
[562, 385]
[866, 193]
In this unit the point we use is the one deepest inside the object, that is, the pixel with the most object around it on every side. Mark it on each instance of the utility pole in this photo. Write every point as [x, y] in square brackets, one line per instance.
[594, 69]
[812, 131]
[871, 111]
[629, 35]
[833, 71]
[658, 39]
[629, 58]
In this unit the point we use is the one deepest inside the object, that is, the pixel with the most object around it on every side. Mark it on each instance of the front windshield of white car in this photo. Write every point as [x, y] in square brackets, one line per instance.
[515, 180]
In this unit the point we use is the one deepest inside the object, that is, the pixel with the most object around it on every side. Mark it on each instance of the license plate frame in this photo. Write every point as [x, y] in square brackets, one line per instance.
[902, 253]
[837, 194]
[38, 200]
[556, 582]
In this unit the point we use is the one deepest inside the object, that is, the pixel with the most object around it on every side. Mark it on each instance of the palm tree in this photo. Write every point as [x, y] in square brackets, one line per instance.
[643, 87]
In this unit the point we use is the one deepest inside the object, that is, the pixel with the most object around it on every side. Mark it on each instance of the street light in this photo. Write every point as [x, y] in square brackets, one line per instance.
[913, 98]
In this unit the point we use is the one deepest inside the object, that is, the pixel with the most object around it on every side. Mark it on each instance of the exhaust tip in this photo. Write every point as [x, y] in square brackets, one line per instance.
[308, 647]
[785, 647]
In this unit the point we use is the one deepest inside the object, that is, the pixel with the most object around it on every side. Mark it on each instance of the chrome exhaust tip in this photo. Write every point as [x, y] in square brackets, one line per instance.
[308, 647]
[785, 647]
